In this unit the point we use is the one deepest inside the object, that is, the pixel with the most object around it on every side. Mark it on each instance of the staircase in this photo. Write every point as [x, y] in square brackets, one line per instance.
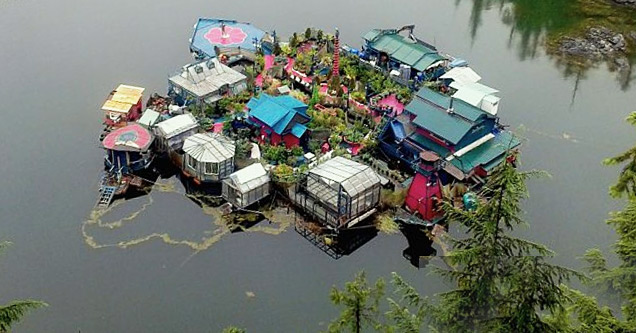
[106, 194]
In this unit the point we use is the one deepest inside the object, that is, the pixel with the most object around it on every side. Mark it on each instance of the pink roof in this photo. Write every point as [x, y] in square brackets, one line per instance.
[129, 138]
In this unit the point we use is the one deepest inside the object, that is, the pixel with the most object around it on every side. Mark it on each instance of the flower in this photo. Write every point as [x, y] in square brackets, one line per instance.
[227, 37]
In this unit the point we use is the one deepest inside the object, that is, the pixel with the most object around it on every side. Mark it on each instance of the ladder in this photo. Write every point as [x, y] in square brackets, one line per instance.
[106, 194]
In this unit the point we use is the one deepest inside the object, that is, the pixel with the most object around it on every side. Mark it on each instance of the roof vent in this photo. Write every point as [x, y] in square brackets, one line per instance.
[211, 64]
[198, 69]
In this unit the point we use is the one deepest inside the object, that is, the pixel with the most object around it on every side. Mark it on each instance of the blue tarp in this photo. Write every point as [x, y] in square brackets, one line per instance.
[239, 34]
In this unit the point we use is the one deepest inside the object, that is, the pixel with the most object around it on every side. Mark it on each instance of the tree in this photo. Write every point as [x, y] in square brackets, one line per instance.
[503, 283]
[620, 280]
[14, 311]
[360, 302]
[233, 329]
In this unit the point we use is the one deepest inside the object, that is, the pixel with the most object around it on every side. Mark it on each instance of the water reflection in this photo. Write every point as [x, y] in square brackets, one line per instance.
[538, 25]
[420, 249]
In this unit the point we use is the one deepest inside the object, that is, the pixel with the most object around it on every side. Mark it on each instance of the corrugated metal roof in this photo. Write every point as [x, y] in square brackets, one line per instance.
[115, 106]
[460, 107]
[298, 130]
[403, 49]
[352, 176]
[177, 125]
[249, 178]
[209, 147]
[206, 77]
[439, 121]
[276, 112]
[487, 152]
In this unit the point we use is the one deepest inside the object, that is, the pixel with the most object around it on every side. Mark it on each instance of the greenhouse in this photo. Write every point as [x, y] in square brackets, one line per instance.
[209, 157]
[339, 192]
[246, 186]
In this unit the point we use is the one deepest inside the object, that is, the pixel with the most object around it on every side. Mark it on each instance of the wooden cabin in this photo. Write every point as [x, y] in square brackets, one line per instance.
[246, 186]
[339, 192]
[128, 149]
[208, 157]
[123, 105]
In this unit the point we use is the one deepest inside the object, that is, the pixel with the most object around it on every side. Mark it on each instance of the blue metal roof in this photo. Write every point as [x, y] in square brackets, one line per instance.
[278, 112]
[298, 130]
[239, 34]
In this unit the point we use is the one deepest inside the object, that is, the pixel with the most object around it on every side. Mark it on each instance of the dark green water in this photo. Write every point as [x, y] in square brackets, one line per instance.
[59, 60]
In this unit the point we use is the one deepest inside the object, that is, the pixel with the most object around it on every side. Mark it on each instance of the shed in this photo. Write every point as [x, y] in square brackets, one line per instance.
[206, 82]
[208, 157]
[123, 104]
[149, 118]
[246, 186]
[128, 148]
[175, 130]
[339, 192]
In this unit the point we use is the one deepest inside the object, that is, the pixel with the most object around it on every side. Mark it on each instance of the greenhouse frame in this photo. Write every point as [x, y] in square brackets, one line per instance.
[246, 186]
[339, 192]
[209, 157]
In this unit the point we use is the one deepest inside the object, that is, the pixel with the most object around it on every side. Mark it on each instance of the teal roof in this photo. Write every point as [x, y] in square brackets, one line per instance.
[298, 130]
[489, 154]
[276, 112]
[403, 49]
[460, 107]
[429, 144]
[438, 121]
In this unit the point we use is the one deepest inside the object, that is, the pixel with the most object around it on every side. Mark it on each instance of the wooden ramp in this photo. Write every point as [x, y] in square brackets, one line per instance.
[106, 194]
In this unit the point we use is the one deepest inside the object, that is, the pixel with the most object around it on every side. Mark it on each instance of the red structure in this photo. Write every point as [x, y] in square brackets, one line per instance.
[424, 196]
[336, 54]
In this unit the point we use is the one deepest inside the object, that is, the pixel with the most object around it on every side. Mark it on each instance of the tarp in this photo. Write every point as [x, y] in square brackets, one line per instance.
[129, 138]
[208, 34]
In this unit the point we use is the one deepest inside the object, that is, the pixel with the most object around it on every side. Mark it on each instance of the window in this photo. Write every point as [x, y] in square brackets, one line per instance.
[211, 168]
[192, 162]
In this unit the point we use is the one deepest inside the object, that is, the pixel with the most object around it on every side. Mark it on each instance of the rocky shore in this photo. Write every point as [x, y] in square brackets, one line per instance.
[600, 43]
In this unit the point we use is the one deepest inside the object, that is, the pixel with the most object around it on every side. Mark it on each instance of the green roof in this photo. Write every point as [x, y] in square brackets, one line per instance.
[402, 49]
[429, 144]
[489, 154]
[460, 107]
[438, 121]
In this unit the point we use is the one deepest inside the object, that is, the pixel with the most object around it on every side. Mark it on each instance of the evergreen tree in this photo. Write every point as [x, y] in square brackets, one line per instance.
[14, 311]
[503, 283]
[360, 302]
[620, 280]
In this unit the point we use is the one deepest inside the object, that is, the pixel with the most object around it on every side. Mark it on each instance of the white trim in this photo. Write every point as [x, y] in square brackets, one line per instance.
[471, 146]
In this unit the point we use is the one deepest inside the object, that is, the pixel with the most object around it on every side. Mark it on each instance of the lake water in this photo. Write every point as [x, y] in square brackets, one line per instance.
[60, 59]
